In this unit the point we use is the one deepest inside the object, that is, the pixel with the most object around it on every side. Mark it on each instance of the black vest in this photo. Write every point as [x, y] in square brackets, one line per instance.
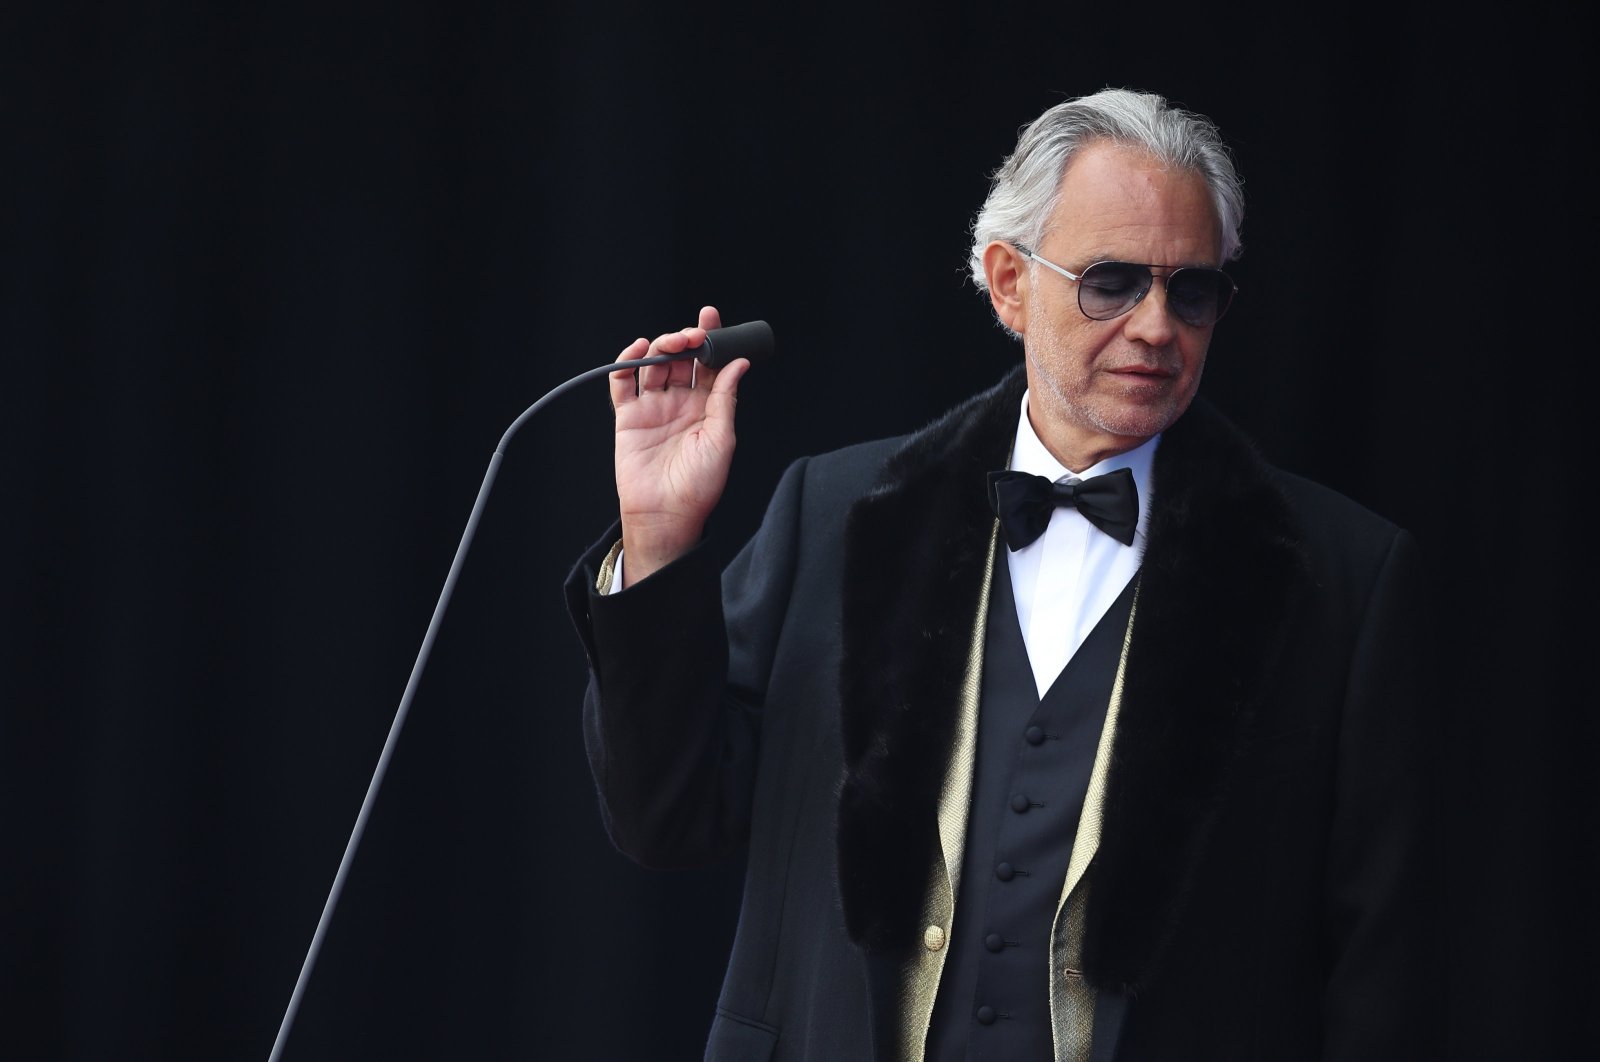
[1031, 773]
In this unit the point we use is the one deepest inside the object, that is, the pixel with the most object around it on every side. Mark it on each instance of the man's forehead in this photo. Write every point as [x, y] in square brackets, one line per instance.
[1118, 203]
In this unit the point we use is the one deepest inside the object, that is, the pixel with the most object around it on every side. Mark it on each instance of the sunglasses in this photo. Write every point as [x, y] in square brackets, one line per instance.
[1198, 296]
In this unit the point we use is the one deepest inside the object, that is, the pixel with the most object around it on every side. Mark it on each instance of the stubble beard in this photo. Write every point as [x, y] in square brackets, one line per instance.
[1069, 398]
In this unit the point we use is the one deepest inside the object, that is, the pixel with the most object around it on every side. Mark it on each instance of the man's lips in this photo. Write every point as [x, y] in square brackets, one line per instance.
[1150, 371]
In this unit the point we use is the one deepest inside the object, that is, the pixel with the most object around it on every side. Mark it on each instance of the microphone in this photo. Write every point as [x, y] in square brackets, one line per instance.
[752, 340]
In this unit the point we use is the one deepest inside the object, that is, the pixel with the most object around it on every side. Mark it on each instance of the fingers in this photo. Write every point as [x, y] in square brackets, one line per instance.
[672, 374]
[622, 382]
[627, 384]
[676, 373]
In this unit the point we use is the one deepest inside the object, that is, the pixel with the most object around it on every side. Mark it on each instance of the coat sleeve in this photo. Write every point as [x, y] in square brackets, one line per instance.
[1384, 991]
[678, 667]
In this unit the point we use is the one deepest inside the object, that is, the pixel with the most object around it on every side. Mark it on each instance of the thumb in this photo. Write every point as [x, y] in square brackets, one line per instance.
[724, 397]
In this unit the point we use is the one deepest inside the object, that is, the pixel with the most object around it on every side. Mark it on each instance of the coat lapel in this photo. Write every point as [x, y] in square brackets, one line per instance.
[915, 559]
[1221, 573]
[1221, 570]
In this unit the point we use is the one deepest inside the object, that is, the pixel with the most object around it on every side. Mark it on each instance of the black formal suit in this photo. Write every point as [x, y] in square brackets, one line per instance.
[1262, 888]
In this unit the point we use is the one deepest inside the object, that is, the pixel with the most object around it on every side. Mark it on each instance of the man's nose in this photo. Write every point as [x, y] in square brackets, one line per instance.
[1150, 320]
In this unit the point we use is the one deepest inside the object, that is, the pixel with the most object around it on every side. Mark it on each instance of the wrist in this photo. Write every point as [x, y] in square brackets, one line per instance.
[652, 545]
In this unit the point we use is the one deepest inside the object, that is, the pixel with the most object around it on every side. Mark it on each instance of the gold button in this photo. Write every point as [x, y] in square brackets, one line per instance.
[933, 938]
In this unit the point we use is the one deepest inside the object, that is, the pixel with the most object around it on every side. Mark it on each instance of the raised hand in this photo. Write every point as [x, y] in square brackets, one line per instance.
[674, 446]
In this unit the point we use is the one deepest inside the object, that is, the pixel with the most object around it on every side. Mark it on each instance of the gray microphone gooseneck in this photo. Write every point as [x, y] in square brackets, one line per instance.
[752, 340]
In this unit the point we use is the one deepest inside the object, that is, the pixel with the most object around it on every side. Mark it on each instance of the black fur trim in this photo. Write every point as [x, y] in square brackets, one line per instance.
[1221, 572]
[914, 565]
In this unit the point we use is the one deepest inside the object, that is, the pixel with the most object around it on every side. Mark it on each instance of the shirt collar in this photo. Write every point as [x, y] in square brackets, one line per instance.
[1028, 454]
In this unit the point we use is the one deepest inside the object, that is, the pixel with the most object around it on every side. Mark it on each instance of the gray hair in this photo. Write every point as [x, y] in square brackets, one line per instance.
[1027, 185]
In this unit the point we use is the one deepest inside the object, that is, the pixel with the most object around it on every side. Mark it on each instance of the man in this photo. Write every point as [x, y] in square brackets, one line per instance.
[1130, 774]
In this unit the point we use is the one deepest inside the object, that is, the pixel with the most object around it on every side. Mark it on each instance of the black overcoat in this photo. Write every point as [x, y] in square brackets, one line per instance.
[1264, 883]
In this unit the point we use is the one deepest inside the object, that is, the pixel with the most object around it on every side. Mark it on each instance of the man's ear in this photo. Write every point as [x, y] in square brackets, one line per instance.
[1007, 273]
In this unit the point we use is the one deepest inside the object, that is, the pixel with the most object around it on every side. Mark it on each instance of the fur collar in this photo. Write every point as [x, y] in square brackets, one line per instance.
[915, 551]
[1221, 570]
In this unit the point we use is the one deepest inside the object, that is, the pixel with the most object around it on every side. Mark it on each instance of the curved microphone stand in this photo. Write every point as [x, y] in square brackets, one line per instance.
[751, 339]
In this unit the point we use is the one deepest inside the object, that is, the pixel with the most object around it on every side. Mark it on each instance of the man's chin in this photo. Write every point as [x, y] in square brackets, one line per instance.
[1142, 419]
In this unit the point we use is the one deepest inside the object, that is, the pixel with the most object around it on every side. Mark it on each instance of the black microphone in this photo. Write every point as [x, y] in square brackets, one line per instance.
[753, 340]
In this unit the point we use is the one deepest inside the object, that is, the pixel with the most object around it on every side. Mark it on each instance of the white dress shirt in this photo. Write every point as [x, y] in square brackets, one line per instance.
[1067, 578]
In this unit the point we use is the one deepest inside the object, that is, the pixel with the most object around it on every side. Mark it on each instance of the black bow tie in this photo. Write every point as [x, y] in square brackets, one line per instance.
[1024, 502]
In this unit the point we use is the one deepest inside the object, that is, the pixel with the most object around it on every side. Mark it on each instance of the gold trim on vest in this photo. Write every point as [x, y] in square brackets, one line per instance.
[1071, 997]
[920, 977]
[608, 568]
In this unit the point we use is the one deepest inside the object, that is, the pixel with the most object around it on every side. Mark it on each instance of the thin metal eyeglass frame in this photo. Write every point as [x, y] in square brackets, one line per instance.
[1137, 299]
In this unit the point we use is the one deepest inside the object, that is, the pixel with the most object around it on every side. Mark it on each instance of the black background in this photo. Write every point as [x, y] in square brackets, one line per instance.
[275, 280]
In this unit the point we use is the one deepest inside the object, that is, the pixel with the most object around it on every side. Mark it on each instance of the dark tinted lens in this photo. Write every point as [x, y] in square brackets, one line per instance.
[1199, 296]
[1109, 289]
